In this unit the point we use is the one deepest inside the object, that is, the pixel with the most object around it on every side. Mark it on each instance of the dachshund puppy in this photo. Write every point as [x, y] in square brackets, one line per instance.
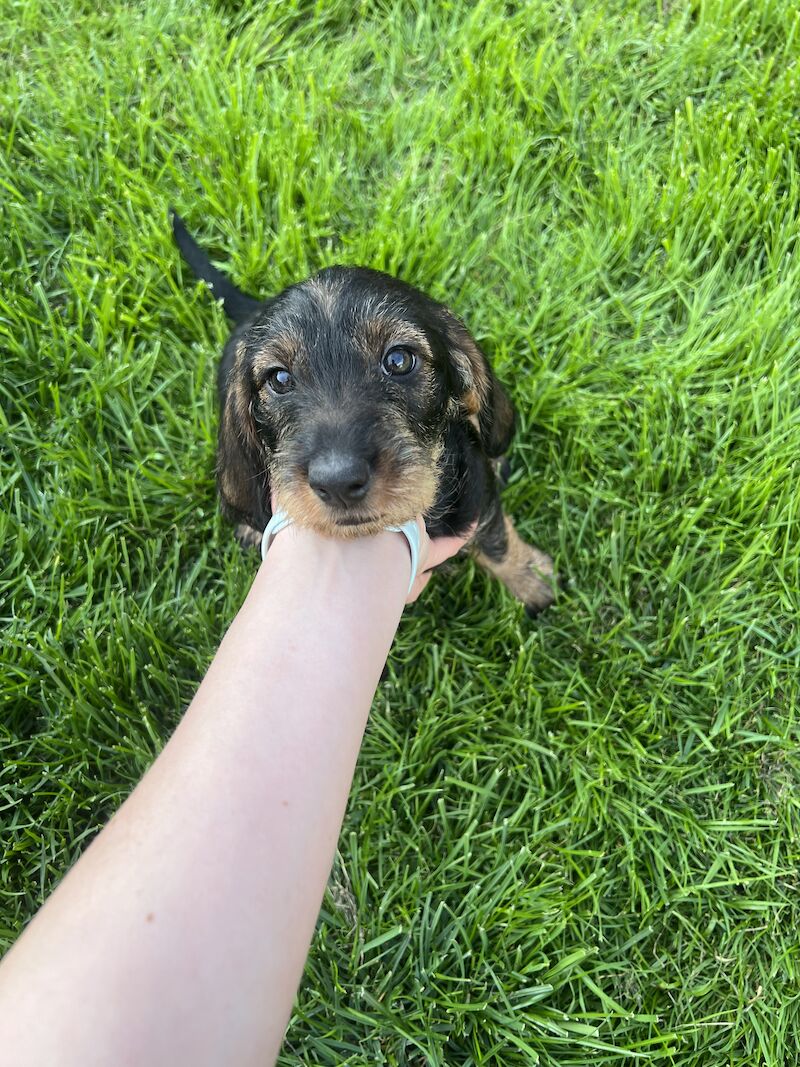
[360, 403]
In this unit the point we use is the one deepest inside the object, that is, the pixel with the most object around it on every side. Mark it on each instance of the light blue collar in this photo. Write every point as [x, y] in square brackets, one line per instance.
[410, 530]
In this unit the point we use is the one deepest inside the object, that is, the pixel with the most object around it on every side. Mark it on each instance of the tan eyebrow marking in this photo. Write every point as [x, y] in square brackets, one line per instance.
[282, 347]
[383, 329]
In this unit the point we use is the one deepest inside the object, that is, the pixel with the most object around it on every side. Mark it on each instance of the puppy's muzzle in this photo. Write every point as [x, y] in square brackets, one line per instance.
[340, 479]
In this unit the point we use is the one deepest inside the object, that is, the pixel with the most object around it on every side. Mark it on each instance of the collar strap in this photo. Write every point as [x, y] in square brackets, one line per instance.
[410, 530]
[279, 521]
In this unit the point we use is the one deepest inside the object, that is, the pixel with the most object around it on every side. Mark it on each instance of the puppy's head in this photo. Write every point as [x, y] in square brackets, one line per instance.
[337, 400]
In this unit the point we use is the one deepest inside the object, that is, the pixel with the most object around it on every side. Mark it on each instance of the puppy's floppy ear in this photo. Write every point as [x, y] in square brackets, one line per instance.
[478, 391]
[242, 474]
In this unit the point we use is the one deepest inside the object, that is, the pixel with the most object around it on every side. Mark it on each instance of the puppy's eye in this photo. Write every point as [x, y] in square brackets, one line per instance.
[280, 381]
[398, 361]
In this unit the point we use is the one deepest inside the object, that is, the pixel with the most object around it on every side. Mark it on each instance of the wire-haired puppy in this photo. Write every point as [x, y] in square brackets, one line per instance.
[360, 402]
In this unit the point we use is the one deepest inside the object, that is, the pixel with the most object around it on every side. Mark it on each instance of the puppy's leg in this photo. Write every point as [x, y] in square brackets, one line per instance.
[502, 470]
[247, 536]
[526, 572]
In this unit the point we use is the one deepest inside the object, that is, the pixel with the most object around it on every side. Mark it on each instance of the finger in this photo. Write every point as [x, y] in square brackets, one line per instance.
[419, 584]
[442, 548]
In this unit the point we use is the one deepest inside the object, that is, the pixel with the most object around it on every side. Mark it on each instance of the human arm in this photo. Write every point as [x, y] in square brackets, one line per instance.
[180, 935]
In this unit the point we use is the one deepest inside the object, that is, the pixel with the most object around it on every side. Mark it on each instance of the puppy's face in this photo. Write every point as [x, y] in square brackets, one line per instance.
[338, 398]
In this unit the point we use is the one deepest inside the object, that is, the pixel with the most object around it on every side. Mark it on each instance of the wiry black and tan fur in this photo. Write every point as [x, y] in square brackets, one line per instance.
[350, 448]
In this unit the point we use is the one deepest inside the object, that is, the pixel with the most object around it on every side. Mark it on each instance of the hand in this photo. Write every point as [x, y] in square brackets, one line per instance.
[432, 552]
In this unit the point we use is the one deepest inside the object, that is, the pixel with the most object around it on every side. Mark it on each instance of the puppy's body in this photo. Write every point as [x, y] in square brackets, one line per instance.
[360, 403]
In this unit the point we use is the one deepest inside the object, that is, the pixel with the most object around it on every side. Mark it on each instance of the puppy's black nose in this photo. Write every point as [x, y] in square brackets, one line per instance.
[338, 478]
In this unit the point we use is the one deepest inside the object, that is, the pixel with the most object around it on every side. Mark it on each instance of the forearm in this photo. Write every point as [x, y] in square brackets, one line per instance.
[186, 924]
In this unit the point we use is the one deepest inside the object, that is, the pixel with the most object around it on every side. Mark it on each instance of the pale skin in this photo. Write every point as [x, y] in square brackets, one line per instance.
[180, 935]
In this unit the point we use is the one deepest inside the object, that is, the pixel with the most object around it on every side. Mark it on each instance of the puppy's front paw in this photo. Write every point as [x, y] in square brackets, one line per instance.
[502, 470]
[528, 574]
[539, 584]
[247, 536]
[524, 570]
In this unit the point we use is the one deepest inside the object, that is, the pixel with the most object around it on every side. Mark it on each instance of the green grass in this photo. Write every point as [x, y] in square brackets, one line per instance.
[573, 842]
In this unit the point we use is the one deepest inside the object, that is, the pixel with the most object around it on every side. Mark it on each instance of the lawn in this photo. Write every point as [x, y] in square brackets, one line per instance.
[570, 841]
